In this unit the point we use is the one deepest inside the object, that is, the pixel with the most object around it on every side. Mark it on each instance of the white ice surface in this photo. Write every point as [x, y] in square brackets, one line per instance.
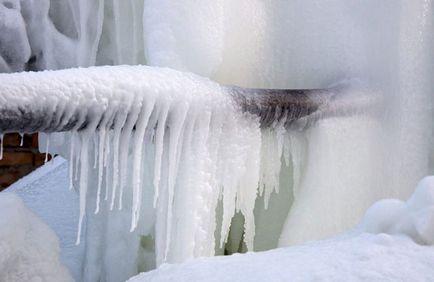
[366, 257]
[29, 249]
[45, 192]
[164, 139]
[274, 44]
[394, 242]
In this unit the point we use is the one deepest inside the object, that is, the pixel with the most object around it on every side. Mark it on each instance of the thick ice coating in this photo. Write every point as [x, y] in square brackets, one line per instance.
[337, 167]
[184, 133]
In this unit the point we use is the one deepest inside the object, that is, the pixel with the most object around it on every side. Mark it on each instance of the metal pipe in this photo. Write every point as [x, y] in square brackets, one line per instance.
[23, 110]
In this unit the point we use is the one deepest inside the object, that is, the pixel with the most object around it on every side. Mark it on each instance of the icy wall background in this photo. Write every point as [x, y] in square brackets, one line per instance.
[338, 166]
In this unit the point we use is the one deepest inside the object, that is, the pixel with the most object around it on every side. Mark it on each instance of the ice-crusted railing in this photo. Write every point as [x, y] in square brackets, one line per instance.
[203, 147]
[187, 139]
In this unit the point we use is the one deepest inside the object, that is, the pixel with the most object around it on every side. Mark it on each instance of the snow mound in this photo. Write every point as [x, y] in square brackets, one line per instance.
[393, 243]
[414, 218]
[367, 257]
[45, 192]
[29, 250]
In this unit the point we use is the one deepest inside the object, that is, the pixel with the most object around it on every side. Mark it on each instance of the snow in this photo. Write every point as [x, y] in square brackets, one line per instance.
[197, 160]
[414, 218]
[366, 257]
[29, 249]
[190, 121]
[45, 192]
[394, 242]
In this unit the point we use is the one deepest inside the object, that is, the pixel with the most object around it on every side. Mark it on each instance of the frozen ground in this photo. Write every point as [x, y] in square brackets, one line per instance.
[37, 191]
[366, 257]
[393, 243]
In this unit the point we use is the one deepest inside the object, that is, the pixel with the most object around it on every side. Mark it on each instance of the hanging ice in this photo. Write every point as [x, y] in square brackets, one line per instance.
[204, 147]
[330, 173]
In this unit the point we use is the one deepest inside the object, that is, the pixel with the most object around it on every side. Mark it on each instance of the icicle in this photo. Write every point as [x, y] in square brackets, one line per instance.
[159, 141]
[287, 149]
[101, 139]
[106, 165]
[46, 148]
[298, 148]
[177, 123]
[71, 160]
[1, 146]
[138, 154]
[77, 163]
[95, 151]
[106, 148]
[22, 139]
[127, 131]
[119, 123]
[84, 165]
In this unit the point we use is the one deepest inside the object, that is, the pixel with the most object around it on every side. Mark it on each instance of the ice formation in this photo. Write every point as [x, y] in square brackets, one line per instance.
[337, 167]
[29, 249]
[393, 242]
[158, 125]
[413, 218]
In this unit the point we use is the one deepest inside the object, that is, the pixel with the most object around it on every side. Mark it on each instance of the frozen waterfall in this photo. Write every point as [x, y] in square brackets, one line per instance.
[182, 167]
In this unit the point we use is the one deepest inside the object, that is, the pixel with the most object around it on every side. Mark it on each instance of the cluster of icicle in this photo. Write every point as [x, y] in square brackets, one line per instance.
[140, 129]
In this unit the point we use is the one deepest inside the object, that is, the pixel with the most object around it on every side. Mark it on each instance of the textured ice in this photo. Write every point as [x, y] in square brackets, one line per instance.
[183, 131]
[330, 172]
[29, 249]
[394, 242]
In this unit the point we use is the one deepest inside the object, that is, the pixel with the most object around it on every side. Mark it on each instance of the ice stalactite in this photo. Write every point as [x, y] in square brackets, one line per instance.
[329, 173]
[21, 139]
[204, 149]
[1, 145]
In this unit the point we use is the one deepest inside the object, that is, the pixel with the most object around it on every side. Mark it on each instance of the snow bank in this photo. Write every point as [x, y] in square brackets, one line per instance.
[393, 243]
[29, 250]
[45, 192]
[414, 218]
[366, 257]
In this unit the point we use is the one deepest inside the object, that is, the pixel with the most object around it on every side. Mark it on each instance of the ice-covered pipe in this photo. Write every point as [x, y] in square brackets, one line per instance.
[63, 100]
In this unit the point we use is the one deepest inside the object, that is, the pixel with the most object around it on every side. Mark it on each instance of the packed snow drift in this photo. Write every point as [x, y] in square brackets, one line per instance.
[45, 192]
[394, 242]
[29, 249]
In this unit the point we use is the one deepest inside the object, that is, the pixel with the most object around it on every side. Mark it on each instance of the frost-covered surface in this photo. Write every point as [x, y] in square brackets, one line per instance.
[190, 145]
[47, 34]
[337, 168]
[29, 249]
[413, 218]
[45, 192]
[394, 242]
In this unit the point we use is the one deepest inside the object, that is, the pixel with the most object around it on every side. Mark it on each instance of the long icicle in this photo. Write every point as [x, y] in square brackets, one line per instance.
[137, 161]
[71, 160]
[159, 141]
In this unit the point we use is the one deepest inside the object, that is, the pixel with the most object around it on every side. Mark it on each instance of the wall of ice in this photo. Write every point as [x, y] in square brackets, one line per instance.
[328, 174]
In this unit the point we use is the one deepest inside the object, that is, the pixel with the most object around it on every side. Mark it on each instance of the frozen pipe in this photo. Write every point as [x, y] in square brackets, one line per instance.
[40, 101]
